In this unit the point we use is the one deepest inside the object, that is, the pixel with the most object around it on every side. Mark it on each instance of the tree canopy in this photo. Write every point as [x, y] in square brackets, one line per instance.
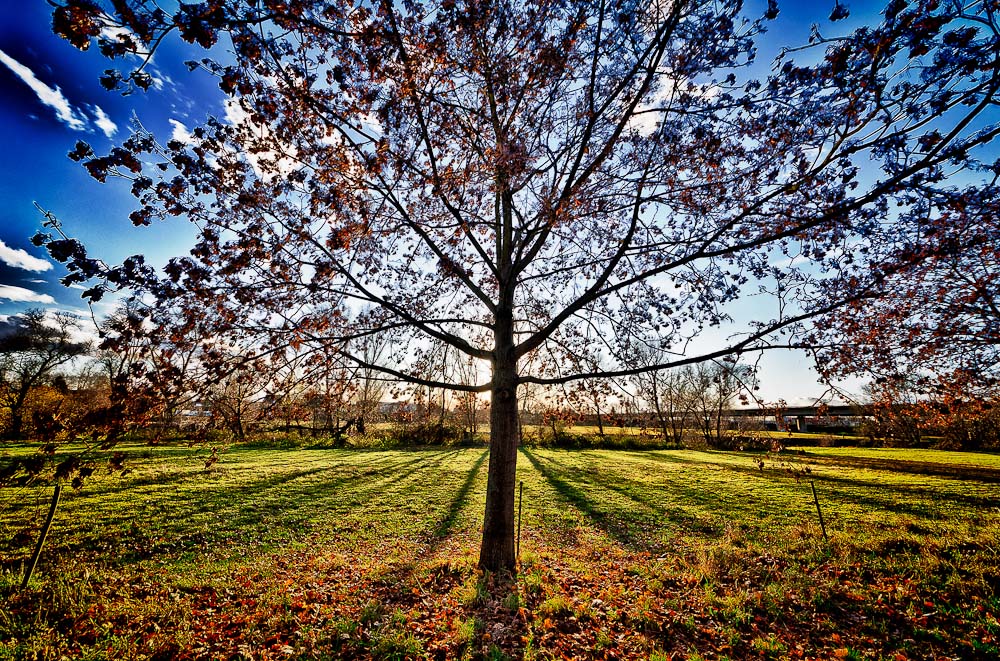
[550, 188]
[32, 346]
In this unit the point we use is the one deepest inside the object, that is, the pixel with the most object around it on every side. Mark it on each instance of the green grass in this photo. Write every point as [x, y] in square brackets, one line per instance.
[371, 554]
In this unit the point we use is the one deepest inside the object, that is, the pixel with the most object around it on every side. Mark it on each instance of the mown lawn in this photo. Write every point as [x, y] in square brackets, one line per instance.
[313, 554]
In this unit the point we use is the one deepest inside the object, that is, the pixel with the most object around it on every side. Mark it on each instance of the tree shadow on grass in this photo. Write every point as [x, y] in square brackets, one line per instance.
[703, 509]
[934, 469]
[458, 502]
[221, 515]
[282, 493]
[577, 497]
[688, 507]
[881, 493]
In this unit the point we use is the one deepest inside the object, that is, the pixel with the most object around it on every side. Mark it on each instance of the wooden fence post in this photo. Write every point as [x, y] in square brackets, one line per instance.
[819, 511]
[520, 500]
[41, 537]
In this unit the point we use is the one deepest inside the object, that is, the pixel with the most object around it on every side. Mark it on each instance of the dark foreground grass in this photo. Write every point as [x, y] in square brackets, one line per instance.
[314, 554]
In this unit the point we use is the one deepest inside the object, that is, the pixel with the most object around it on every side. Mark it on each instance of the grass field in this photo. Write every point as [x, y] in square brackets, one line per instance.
[313, 554]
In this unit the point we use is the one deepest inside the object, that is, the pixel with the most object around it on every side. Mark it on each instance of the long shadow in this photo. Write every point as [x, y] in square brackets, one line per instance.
[873, 486]
[930, 493]
[311, 493]
[396, 573]
[458, 502]
[907, 466]
[679, 515]
[704, 499]
[243, 508]
[195, 478]
[206, 481]
[579, 499]
[957, 472]
[205, 477]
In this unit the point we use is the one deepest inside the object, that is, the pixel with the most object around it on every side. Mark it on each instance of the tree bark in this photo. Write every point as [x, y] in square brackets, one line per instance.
[16, 423]
[600, 420]
[17, 413]
[497, 550]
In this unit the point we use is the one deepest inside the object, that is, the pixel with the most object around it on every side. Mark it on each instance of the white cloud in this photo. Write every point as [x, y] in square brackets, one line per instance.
[19, 259]
[160, 79]
[52, 97]
[266, 156]
[22, 295]
[103, 122]
[181, 133]
[235, 113]
[83, 332]
[650, 113]
[77, 286]
[116, 32]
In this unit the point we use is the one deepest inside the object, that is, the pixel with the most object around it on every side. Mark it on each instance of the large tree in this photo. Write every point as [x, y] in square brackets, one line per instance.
[543, 186]
[33, 345]
[937, 327]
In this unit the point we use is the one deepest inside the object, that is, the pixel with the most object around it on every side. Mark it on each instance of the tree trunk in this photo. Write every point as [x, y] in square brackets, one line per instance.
[718, 423]
[497, 550]
[660, 417]
[16, 422]
[600, 420]
[17, 414]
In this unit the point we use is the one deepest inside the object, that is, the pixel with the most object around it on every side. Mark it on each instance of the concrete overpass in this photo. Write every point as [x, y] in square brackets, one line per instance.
[831, 411]
[796, 417]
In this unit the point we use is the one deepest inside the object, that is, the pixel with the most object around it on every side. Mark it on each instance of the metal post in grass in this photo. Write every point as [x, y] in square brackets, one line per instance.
[41, 537]
[520, 499]
[819, 511]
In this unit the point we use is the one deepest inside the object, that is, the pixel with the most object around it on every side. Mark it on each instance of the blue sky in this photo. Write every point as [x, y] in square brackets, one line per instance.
[51, 98]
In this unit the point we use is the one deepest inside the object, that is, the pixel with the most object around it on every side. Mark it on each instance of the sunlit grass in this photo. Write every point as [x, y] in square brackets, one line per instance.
[372, 553]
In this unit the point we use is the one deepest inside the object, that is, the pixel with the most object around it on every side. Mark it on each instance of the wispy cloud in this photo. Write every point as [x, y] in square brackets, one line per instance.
[180, 133]
[19, 259]
[22, 295]
[103, 122]
[160, 79]
[50, 96]
[117, 33]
